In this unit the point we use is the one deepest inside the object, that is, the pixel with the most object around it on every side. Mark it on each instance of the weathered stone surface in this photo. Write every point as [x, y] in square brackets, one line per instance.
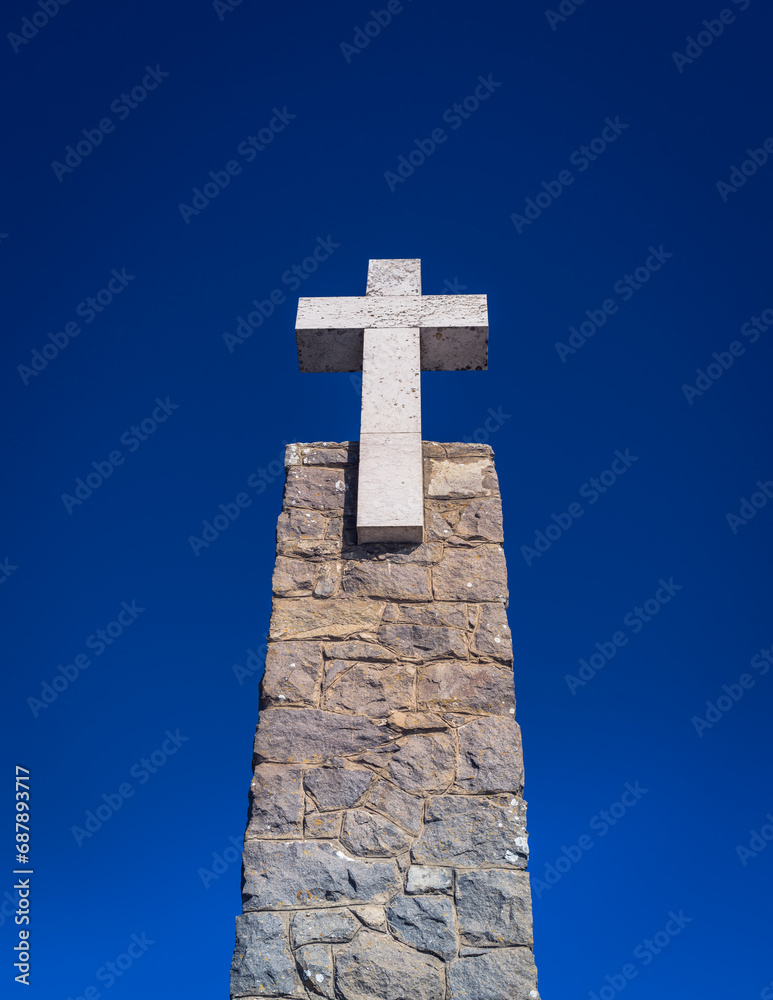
[480, 521]
[323, 927]
[473, 477]
[320, 488]
[337, 787]
[374, 967]
[423, 879]
[298, 735]
[377, 579]
[471, 574]
[465, 831]
[321, 453]
[424, 922]
[357, 650]
[366, 834]
[293, 577]
[490, 756]
[493, 637]
[276, 802]
[424, 642]
[331, 618]
[327, 579]
[407, 810]
[424, 763]
[293, 873]
[502, 974]
[372, 689]
[466, 687]
[373, 917]
[494, 907]
[293, 673]
[438, 613]
[315, 965]
[263, 963]
[408, 722]
[322, 826]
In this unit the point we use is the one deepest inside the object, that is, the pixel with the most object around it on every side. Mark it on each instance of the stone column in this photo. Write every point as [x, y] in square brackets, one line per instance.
[386, 848]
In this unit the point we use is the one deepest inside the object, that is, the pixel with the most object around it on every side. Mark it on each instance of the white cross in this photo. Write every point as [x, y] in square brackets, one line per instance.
[391, 334]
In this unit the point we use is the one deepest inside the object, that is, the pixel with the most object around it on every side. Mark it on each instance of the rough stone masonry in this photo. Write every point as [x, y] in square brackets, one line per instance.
[386, 850]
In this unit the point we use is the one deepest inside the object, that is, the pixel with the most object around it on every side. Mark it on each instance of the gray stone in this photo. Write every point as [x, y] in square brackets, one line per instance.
[357, 650]
[262, 962]
[451, 685]
[323, 927]
[307, 735]
[471, 574]
[382, 579]
[320, 488]
[493, 638]
[321, 453]
[424, 763]
[276, 802]
[424, 922]
[424, 642]
[292, 873]
[416, 722]
[293, 577]
[330, 618]
[448, 613]
[494, 907]
[466, 832]
[502, 974]
[404, 809]
[374, 967]
[327, 579]
[424, 879]
[372, 689]
[366, 834]
[481, 521]
[490, 756]
[337, 787]
[373, 917]
[293, 674]
[315, 965]
[322, 826]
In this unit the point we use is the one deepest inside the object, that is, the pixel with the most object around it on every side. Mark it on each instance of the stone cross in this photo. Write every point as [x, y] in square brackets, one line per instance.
[391, 334]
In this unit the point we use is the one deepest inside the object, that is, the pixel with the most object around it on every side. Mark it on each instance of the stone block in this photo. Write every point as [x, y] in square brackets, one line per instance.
[323, 927]
[322, 826]
[293, 577]
[327, 579]
[310, 736]
[463, 831]
[424, 764]
[487, 977]
[391, 391]
[358, 650]
[323, 489]
[276, 802]
[407, 810]
[390, 505]
[492, 638]
[438, 613]
[480, 521]
[376, 578]
[315, 965]
[471, 574]
[293, 674]
[291, 873]
[321, 453]
[334, 618]
[470, 477]
[466, 687]
[425, 923]
[368, 835]
[263, 964]
[422, 879]
[337, 787]
[394, 277]
[490, 757]
[372, 689]
[424, 642]
[493, 907]
[372, 917]
[373, 966]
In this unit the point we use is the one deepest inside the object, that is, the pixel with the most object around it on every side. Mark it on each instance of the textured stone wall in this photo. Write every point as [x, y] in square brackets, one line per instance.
[386, 851]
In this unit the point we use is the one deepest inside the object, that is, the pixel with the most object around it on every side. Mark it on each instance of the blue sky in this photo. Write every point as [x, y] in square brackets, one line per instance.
[614, 200]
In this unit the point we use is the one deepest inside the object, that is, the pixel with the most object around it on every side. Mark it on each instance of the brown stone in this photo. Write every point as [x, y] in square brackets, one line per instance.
[468, 477]
[334, 618]
[424, 763]
[466, 687]
[493, 638]
[481, 520]
[357, 650]
[293, 674]
[372, 689]
[471, 574]
[377, 579]
[424, 642]
[307, 735]
[293, 577]
[406, 722]
[320, 488]
[438, 613]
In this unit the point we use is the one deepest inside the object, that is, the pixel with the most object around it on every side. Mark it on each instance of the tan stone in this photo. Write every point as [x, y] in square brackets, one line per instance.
[424, 763]
[493, 638]
[466, 687]
[331, 490]
[471, 574]
[470, 477]
[377, 579]
[372, 689]
[333, 618]
[293, 674]
[437, 613]
[293, 577]
[276, 802]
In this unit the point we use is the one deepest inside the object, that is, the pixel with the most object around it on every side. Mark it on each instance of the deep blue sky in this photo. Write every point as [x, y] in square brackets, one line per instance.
[161, 336]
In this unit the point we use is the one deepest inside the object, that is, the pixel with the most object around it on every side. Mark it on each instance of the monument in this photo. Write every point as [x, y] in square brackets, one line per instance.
[386, 850]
